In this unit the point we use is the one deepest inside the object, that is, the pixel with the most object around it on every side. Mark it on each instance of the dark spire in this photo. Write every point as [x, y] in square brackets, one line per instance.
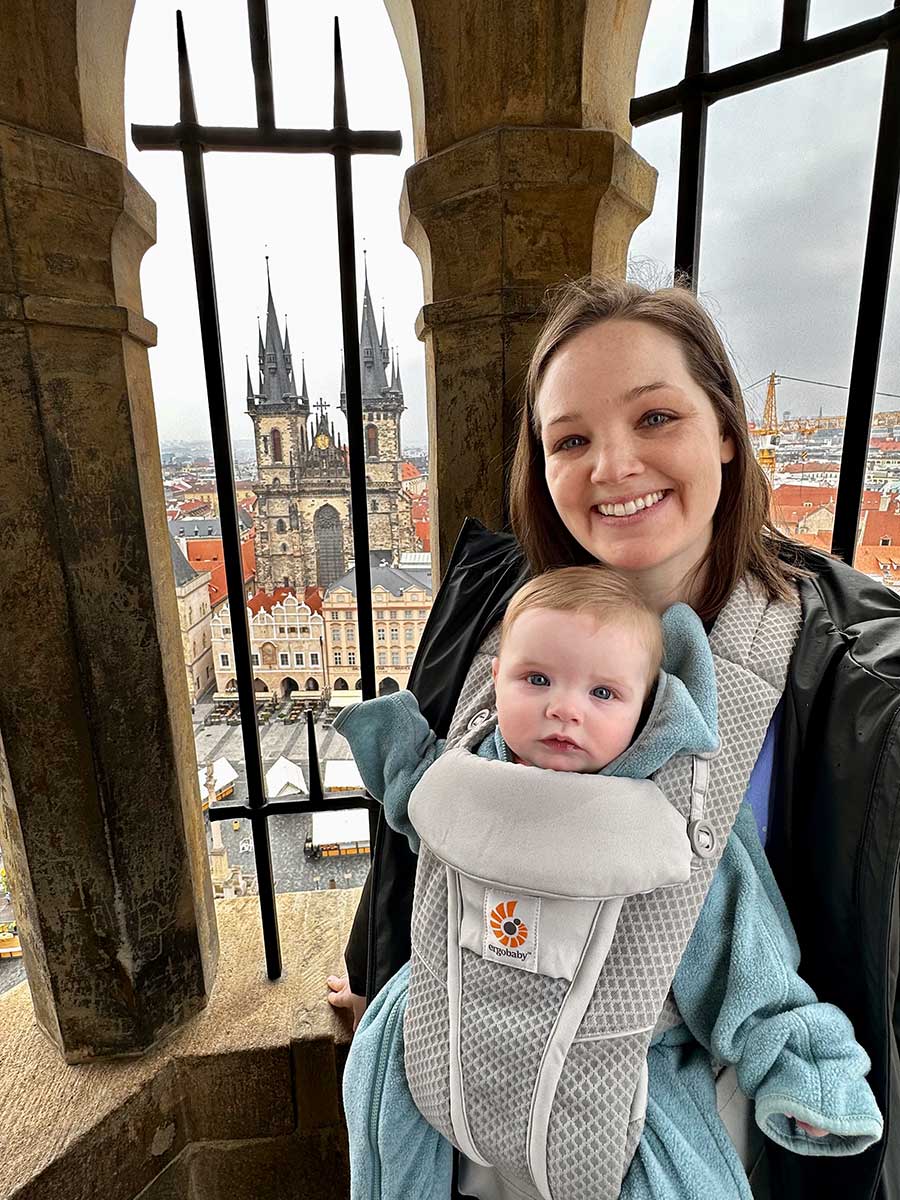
[249, 383]
[287, 346]
[385, 348]
[277, 381]
[371, 363]
[396, 385]
[262, 347]
[304, 394]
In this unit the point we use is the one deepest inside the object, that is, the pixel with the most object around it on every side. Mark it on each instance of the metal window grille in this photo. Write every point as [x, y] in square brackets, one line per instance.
[192, 140]
[797, 55]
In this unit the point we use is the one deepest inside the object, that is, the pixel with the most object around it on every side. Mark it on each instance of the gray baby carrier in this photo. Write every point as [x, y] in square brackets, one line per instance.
[541, 969]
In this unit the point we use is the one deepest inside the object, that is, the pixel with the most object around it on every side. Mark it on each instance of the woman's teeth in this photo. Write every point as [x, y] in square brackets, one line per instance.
[631, 506]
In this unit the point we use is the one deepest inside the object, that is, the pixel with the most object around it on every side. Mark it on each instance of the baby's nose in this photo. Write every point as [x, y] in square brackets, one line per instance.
[564, 708]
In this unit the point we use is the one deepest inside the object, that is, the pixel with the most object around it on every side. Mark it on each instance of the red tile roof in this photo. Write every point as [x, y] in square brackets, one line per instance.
[408, 471]
[878, 525]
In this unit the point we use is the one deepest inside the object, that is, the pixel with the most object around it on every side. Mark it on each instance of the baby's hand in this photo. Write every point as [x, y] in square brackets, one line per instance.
[811, 1130]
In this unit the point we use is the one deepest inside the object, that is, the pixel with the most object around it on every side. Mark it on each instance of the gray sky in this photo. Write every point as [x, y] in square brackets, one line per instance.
[788, 179]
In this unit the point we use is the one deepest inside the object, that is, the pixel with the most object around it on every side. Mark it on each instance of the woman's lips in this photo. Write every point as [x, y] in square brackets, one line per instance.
[644, 514]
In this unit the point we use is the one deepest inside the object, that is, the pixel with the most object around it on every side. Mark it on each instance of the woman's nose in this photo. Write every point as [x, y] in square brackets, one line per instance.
[613, 460]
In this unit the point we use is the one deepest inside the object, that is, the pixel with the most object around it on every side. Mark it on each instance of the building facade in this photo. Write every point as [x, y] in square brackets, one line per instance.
[287, 644]
[303, 509]
[194, 621]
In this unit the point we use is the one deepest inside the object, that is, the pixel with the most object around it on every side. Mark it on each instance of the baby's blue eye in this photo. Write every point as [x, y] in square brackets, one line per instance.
[602, 693]
[538, 680]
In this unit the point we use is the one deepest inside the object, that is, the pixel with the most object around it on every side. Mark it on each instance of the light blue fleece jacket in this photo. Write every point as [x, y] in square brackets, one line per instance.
[737, 987]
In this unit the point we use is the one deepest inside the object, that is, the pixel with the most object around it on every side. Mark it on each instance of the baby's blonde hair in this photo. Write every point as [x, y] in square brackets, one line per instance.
[597, 591]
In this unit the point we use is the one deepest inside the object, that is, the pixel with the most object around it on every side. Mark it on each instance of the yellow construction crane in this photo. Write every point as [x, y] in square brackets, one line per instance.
[768, 434]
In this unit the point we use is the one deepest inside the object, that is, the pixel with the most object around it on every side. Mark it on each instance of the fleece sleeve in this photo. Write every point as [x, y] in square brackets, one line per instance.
[393, 746]
[739, 993]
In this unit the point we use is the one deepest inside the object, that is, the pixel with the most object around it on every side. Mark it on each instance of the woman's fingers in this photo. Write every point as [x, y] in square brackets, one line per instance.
[340, 996]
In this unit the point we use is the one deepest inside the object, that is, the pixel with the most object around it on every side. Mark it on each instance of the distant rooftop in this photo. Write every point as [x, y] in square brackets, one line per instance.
[206, 527]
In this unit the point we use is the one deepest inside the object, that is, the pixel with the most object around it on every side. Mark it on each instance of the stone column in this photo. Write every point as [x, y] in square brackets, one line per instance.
[525, 176]
[100, 820]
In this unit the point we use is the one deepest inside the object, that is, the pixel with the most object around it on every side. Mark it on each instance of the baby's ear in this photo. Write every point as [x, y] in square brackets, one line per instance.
[495, 667]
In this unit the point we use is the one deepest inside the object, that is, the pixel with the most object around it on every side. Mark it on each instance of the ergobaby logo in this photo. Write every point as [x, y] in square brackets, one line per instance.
[510, 929]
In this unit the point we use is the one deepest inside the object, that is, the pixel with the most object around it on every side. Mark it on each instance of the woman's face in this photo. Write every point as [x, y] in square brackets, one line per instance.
[633, 450]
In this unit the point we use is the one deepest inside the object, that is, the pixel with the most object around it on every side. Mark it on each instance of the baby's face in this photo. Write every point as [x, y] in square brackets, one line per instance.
[569, 691]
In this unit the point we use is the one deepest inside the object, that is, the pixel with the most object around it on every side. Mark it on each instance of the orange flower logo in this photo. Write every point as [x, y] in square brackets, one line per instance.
[506, 927]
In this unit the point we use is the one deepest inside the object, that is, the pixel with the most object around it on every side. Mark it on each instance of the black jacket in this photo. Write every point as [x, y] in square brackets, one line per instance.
[834, 838]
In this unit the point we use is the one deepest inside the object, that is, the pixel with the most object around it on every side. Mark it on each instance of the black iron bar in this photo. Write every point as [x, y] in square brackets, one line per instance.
[258, 19]
[693, 153]
[279, 805]
[241, 140]
[195, 183]
[343, 185]
[794, 22]
[784, 63]
[870, 319]
[316, 791]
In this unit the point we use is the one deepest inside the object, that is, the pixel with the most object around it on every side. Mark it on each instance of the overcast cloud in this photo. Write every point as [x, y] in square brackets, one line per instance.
[788, 180]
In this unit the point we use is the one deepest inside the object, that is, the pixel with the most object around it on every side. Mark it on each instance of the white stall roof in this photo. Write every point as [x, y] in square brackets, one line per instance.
[224, 775]
[284, 776]
[344, 699]
[342, 775]
[340, 828]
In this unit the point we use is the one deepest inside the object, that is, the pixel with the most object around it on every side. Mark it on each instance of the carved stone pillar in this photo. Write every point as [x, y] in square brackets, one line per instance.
[100, 819]
[524, 177]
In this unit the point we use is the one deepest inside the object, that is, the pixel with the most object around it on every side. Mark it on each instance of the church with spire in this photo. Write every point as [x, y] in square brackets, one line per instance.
[304, 527]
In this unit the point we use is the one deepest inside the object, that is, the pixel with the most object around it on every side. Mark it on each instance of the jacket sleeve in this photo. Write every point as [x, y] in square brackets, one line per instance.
[393, 747]
[739, 993]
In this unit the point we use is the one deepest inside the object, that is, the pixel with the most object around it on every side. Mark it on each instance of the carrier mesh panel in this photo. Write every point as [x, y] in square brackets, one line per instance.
[426, 1038]
[508, 1014]
[588, 1126]
[429, 915]
[508, 1017]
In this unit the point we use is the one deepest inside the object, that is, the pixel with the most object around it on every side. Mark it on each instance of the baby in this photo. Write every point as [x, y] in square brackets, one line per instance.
[580, 688]
[579, 656]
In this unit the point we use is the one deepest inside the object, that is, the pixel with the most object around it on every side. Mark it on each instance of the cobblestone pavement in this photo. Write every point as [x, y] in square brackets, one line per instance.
[287, 834]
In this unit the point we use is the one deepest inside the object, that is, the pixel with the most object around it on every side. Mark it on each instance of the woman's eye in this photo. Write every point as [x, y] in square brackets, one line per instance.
[570, 443]
[538, 680]
[602, 693]
[656, 419]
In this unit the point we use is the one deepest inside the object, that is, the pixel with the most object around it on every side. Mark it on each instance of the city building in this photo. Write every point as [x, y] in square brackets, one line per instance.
[303, 493]
[192, 596]
[287, 642]
[201, 542]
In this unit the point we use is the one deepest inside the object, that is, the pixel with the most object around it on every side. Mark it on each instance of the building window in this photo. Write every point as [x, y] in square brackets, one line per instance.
[335, 633]
[284, 660]
[408, 614]
[410, 655]
[226, 631]
[410, 633]
[382, 658]
[224, 660]
[395, 634]
[393, 614]
[304, 631]
[281, 629]
[284, 551]
[885, 541]
[314, 658]
[292, 630]
[298, 659]
[351, 658]
[381, 636]
[197, 682]
[280, 526]
[276, 446]
[337, 658]
[395, 658]
[350, 635]
[255, 658]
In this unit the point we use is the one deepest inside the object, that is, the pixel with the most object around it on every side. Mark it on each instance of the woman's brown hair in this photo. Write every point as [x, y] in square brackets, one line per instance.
[744, 538]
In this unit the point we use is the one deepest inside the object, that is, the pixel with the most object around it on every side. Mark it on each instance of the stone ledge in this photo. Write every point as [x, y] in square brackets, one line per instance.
[257, 1072]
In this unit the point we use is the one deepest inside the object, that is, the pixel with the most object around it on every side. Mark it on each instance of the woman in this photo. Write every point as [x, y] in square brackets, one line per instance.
[633, 450]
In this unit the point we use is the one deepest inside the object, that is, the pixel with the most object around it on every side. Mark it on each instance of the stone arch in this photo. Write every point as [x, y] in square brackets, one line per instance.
[276, 446]
[231, 685]
[280, 526]
[288, 687]
[357, 687]
[329, 539]
[341, 685]
[388, 686]
[311, 685]
[260, 686]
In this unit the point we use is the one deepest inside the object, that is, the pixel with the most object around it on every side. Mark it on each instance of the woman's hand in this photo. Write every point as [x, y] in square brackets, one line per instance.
[340, 996]
[810, 1130]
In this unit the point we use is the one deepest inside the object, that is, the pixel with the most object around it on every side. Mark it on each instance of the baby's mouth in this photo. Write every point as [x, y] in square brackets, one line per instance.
[560, 743]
